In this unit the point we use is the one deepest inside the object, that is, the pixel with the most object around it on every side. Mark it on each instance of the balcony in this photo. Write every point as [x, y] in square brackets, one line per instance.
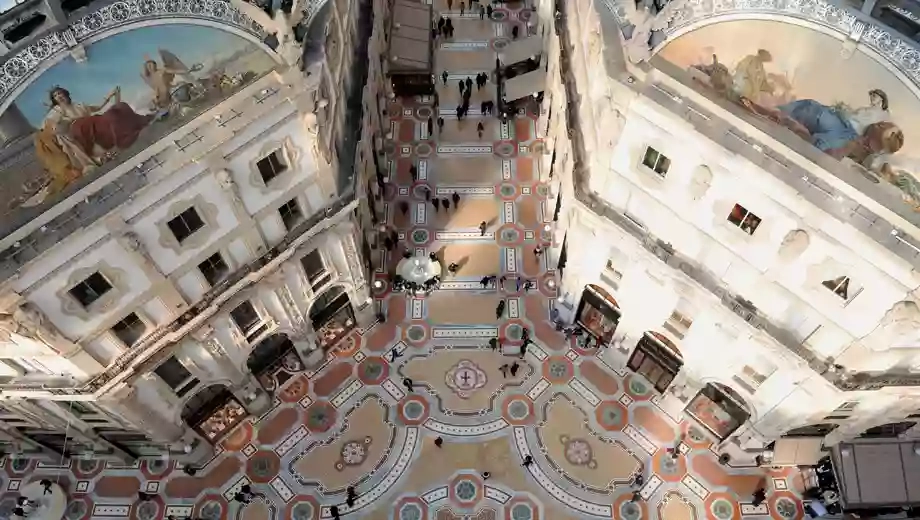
[666, 254]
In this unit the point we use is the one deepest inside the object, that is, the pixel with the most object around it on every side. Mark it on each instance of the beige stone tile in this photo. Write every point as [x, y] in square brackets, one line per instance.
[465, 169]
[464, 131]
[475, 259]
[469, 29]
[464, 61]
[449, 94]
[469, 215]
[462, 308]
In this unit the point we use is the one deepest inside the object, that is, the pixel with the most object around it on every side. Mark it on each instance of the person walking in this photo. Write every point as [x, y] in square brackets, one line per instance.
[460, 112]
[446, 203]
[453, 268]
[394, 354]
[482, 13]
[403, 207]
[444, 77]
[524, 349]
[456, 198]
[759, 496]
[469, 86]
[514, 368]
[484, 281]
[482, 108]
[479, 129]
[438, 441]
[482, 228]
[489, 11]
[514, 32]
[450, 4]
[408, 383]
[441, 24]
[499, 309]
[430, 127]
[334, 511]
[462, 8]
[427, 192]
[350, 496]
[413, 171]
[528, 460]
[440, 124]
[504, 370]
[493, 343]
[436, 202]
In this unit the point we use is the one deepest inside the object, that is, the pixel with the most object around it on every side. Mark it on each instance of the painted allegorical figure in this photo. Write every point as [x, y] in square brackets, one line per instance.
[76, 137]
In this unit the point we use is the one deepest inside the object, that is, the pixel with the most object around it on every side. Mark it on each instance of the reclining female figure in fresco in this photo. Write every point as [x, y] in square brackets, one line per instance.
[75, 138]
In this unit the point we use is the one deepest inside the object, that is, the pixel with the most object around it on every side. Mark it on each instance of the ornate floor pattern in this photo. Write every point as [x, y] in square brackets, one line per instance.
[588, 424]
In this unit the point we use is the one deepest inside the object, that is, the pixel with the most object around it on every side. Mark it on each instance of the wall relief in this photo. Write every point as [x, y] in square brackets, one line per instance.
[899, 328]
[700, 182]
[793, 245]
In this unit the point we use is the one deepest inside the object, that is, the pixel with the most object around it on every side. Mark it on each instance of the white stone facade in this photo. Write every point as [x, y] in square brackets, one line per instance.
[746, 310]
[91, 322]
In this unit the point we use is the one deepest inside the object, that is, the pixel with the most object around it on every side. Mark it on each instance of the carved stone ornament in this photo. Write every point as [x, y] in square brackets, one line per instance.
[700, 182]
[793, 245]
[18, 68]
[206, 211]
[291, 155]
[899, 328]
[116, 277]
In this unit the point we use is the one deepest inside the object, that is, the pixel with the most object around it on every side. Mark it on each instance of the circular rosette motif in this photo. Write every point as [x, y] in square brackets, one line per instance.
[578, 452]
[465, 378]
[353, 453]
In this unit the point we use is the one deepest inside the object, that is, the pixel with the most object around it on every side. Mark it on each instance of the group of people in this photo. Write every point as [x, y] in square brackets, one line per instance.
[445, 28]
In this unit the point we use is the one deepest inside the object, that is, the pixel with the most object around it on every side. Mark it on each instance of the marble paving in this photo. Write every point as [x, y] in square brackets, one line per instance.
[589, 425]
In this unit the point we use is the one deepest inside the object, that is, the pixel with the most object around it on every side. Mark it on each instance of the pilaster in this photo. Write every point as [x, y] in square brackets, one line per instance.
[244, 385]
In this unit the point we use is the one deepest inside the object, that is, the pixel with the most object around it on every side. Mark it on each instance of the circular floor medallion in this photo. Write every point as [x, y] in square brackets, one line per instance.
[785, 507]
[578, 452]
[630, 511]
[410, 512]
[302, 511]
[722, 509]
[521, 512]
[354, 453]
[611, 415]
[320, 416]
[504, 149]
[147, 510]
[211, 510]
[416, 333]
[518, 410]
[75, 510]
[465, 378]
[465, 491]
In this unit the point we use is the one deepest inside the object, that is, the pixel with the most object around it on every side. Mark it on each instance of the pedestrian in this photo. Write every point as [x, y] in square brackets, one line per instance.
[482, 228]
[537, 251]
[334, 511]
[388, 244]
[514, 32]
[504, 370]
[350, 496]
[436, 203]
[427, 192]
[453, 268]
[430, 127]
[462, 8]
[434, 34]
[440, 124]
[46, 488]
[484, 281]
[480, 129]
[450, 4]
[446, 203]
[517, 284]
[190, 470]
[514, 369]
[493, 343]
[501, 281]
[438, 441]
[469, 85]
[413, 171]
[524, 349]
[456, 198]
[486, 475]
[482, 13]
[759, 496]
[241, 498]
[444, 77]
[403, 207]
[528, 460]
[636, 496]
[440, 23]
[450, 29]
[395, 354]
[408, 383]
[482, 108]
[489, 10]
[459, 112]
[639, 480]
[525, 334]
[462, 86]
[499, 309]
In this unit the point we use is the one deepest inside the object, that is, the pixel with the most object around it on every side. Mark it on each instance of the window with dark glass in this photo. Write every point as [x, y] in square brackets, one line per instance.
[316, 270]
[185, 224]
[271, 166]
[214, 269]
[90, 289]
[290, 214]
[173, 373]
[130, 330]
[744, 219]
[248, 320]
[656, 161]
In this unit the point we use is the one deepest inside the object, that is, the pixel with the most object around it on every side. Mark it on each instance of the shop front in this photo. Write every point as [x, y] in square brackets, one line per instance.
[719, 409]
[598, 313]
[657, 359]
[213, 412]
[332, 316]
[274, 361]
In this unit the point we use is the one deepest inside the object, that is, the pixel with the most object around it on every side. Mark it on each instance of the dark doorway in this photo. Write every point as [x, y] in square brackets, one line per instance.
[274, 361]
[213, 412]
[332, 316]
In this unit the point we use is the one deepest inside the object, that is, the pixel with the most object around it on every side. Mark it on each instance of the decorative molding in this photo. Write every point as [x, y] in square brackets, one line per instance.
[290, 156]
[116, 277]
[206, 211]
[17, 69]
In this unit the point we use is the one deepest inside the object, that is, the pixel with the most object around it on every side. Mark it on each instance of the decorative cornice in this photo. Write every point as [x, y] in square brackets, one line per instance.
[19, 67]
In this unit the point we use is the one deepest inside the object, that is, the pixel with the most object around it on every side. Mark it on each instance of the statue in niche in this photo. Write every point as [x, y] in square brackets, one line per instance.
[793, 245]
[700, 182]
[280, 25]
[899, 328]
[645, 20]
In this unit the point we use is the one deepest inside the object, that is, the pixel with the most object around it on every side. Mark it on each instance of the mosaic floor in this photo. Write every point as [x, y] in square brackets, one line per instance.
[589, 425]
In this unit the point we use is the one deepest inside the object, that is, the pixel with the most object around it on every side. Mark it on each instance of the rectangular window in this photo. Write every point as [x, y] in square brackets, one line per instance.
[678, 324]
[184, 225]
[843, 288]
[130, 330]
[291, 214]
[744, 219]
[214, 269]
[316, 270]
[656, 161]
[248, 320]
[173, 373]
[271, 166]
[90, 289]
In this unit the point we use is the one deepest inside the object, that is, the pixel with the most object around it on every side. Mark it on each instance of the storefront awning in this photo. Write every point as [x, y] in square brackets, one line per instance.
[525, 85]
[519, 50]
[877, 474]
[797, 451]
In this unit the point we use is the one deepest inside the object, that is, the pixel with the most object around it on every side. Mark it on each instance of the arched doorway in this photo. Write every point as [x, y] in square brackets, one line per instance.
[657, 359]
[332, 316]
[888, 431]
[274, 361]
[719, 409]
[598, 313]
[213, 412]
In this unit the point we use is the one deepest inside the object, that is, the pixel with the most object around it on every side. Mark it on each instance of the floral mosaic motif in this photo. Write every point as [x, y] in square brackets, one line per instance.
[507, 190]
[415, 333]
[669, 465]
[542, 190]
[518, 410]
[302, 511]
[465, 378]
[91, 465]
[504, 149]
[75, 510]
[514, 332]
[465, 490]
[638, 387]
[578, 452]
[211, 511]
[156, 466]
[500, 43]
[521, 512]
[147, 510]
[559, 369]
[510, 235]
[410, 512]
[19, 465]
[785, 508]
[629, 510]
[611, 415]
[420, 236]
[722, 509]
[413, 410]
[262, 465]
[320, 417]
[353, 453]
[499, 15]
[372, 369]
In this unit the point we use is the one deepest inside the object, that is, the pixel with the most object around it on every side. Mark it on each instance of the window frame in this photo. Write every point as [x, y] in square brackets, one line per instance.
[299, 211]
[848, 281]
[281, 158]
[86, 282]
[323, 277]
[211, 264]
[183, 387]
[143, 334]
[740, 224]
[655, 165]
[182, 219]
[259, 327]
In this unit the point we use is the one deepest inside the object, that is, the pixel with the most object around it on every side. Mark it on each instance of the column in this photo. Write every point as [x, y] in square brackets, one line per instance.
[245, 386]
[365, 313]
